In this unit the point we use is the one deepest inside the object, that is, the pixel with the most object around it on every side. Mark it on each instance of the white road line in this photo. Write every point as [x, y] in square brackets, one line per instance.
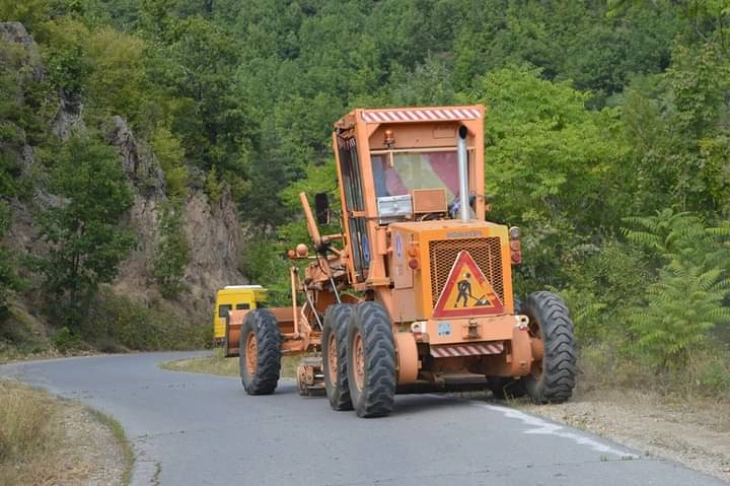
[544, 427]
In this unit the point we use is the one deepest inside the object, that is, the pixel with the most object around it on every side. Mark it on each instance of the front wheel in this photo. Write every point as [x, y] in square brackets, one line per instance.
[371, 360]
[552, 378]
[334, 353]
[259, 356]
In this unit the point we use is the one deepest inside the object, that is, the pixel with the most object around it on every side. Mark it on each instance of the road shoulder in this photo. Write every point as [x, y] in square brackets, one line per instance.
[81, 446]
[695, 434]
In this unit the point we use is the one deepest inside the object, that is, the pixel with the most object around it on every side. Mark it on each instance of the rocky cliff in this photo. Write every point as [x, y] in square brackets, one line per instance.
[211, 229]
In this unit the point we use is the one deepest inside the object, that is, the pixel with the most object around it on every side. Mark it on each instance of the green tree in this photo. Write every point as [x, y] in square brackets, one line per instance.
[82, 227]
[553, 167]
[114, 83]
[172, 253]
[686, 301]
[170, 154]
[29, 12]
[679, 127]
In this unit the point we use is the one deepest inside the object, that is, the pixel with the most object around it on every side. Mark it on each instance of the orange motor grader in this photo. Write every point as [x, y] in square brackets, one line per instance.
[415, 291]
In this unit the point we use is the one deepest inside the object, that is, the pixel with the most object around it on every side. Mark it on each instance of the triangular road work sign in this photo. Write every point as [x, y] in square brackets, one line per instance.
[467, 292]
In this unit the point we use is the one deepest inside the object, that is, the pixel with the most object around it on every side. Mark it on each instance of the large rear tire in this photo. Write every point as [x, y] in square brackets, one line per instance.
[334, 355]
[552, 379]
[371, 370]
[259, 352]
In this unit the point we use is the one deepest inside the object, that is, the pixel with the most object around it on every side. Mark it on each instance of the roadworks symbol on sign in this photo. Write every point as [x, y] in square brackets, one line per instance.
[467, 292]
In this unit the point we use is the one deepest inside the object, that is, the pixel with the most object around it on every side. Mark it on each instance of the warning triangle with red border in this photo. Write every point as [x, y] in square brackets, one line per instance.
[467, 292]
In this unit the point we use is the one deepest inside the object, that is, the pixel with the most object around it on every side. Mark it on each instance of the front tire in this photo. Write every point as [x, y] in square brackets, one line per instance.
[552, 379]
[371, 360]
[334, 355]
[259, 352]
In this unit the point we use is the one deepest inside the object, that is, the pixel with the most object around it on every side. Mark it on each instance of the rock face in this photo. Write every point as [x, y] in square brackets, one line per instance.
[215, 238]
[212, 230]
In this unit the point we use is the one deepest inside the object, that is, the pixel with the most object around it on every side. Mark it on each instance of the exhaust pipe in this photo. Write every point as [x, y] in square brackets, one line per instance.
[463, 175]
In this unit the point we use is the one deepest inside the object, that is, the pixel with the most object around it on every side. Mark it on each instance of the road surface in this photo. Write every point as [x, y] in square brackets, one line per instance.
[190, 429]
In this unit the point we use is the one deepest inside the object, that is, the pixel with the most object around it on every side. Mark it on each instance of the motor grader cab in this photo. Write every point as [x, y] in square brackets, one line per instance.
[415, 292]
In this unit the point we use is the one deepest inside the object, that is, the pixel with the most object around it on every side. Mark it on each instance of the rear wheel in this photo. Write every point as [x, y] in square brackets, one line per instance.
[334, 353]
[259, 356]
[371, 360]
[552, 378]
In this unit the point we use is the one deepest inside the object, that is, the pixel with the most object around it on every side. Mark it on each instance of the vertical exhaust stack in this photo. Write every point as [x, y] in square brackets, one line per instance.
[463, 175]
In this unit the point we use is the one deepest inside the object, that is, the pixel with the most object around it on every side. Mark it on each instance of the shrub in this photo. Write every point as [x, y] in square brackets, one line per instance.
[172, 254]
[119, 321]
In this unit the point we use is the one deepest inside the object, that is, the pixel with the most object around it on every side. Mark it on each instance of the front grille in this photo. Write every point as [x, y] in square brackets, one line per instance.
[486, 252]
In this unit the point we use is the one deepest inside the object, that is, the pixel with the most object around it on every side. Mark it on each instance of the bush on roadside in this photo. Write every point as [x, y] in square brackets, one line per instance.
[117, 323]
[67, 340]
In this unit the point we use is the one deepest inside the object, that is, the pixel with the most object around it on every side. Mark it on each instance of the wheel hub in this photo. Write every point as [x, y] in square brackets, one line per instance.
[359, 361]
[332, 358]
[251, 354]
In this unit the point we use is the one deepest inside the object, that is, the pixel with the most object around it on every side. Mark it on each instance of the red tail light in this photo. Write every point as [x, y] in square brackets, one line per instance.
[515, 248]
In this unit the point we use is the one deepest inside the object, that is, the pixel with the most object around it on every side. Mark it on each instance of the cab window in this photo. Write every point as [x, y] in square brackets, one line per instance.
[223, 310]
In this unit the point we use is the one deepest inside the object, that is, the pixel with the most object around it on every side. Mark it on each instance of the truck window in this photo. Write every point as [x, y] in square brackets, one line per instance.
[354, 201]
[242, 306]
[407, 171]
[223, 310]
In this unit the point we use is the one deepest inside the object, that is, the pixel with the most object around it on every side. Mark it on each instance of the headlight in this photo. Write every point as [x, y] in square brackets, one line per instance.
[514, 233]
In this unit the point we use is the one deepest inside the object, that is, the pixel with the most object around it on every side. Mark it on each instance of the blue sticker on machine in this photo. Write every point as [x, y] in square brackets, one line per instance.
[444, 329]
[399, 246]
[365, 249]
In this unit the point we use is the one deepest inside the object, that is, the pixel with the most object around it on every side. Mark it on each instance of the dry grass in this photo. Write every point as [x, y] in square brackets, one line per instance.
[217, 364]
[29, 442]
[49, 441]
[25, 416]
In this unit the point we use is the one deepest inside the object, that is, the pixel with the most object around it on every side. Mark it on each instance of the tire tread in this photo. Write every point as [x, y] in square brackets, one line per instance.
[268, 349]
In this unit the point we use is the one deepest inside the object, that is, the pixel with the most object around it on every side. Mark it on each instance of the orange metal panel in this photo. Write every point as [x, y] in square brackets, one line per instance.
[404, 306]
[453, 331]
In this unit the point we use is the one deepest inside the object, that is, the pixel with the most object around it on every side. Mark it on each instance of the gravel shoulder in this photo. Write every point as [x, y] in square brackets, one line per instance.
[93, 454]
[696, 433]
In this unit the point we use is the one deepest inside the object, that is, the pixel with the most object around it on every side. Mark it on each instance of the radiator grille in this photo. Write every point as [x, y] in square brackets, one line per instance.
[486, 252]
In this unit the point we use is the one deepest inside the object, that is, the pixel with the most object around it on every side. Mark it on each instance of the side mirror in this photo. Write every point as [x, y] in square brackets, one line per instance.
[322, 208]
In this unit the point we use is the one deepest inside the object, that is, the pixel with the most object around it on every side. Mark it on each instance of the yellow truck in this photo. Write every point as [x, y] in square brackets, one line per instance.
[234, 297]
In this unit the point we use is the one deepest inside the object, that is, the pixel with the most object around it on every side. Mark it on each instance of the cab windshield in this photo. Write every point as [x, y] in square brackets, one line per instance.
[398, 174]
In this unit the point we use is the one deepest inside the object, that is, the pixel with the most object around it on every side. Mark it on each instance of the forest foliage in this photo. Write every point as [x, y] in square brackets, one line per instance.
[608, 133]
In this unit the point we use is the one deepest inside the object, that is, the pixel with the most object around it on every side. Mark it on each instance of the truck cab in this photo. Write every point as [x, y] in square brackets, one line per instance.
[230, 298]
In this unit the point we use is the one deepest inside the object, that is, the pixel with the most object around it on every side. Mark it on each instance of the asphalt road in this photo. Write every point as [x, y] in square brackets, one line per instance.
[191, 429]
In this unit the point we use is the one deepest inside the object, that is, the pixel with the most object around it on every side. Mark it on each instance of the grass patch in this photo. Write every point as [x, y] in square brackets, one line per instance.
[217, 364]
[46, 440]
[706, 374]
[25, 415]
[121, 438]
[30, 443]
